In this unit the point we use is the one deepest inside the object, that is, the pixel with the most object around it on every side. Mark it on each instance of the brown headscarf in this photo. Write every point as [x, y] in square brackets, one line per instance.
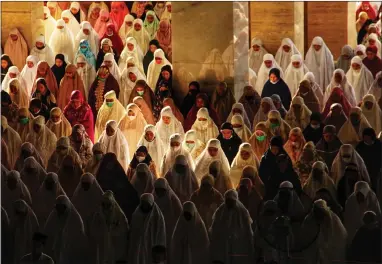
[170, 102]
[44, 71]
[310, 99]
[16, 50]
[222, 103]
[258, 147]
[251, 101]
[163, 35]
[146, 111]
[148, 94]
[68, 85]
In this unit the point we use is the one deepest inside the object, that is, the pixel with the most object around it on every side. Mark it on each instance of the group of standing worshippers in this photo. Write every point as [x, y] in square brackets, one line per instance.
[101, 164]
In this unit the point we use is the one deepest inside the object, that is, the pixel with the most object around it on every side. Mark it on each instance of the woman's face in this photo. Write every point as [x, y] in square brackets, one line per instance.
[169, 7]
[227, 133]
[296, 64]
[41, 88]
[130, 46]
[109, 31]
[369, 105]
[95, 13]
[137, 27]
[356, 67]
[150, 18]
[359, 53]
[14, 37]
[69, 74]
[237, 111]
[66, 19]
[317, 47]
[277, 104]
[132, 77]
[76, 103]
[158, 60]
[265, 107]
[12, 75]
[200, 103]
[256, 48]
[371, 42]
[268, 64]
[81, 64]
[149, 136]
[273, 77]
[140, 89]
[336, 98]
[14, 89]
[59, 62]
[30, 64]
[86, 31]
[166, 120]
[52, 10]
[286, 48]
[129, 24]
[337, 77]
[4, 64]
[166, 75]
[245, 154]
[104, 19]
[153, 48]
[336, 111]
[213, 151]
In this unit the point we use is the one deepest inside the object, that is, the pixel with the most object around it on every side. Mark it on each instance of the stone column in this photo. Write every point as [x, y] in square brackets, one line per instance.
[26, 16]
[352, 32]
[197, 29]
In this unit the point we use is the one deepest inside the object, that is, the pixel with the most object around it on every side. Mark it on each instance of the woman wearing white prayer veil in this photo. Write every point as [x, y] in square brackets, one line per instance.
[12, 139]
[49, 23]
[151, 140]
[19, 94]
[88, 33]
[340, 79]
[109, 231]
[319, 178]
[61, 40]
[245, 157]
[363, 199]
[212, 152]
[148, 231]
[256, 54]
[309, 76]
[138, 31]
[87, 73]
[191, 229]
[372, 112]
[71, 22]
[376, 88]
[13, 72]
[13, 189]
[66, 241]
[111, 109]
[231, 234]
[240, 128]
[214, 62]
[110, 62]
[192, 144]
[268, 63]
[115, 142]
[319, 60]
[125, 28]
[29, 72]
[129, 78]
[132, 126]
[330, 245]
[155, 67]
[170, 206]
[373, 40]
[131, 49]
[359, 77]
[168, 125]
[285, 53]
[238, 108]
[23, 224]
[347, 155]
[42, 51]
[294, 73]
[174, 149]
[204, 126]
[299, 114]
[55, 9]
[351, 131]
[360, 51]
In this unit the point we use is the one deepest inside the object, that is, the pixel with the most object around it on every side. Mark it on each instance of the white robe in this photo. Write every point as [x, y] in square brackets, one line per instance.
[49, 24]
[320, 62]
[284, 58]
[375, 89]
[345, 85]
[205, 130]
[73, 24]
[263, 74]
[29, 74]
[45, 54]
[293, 76]
[92, 38]
[166, 130]
[256, 57]
[374, 115]
[155, 147]
[136, 53]
[361, 81]
[154, 69]
[61, 41]
[127, 85]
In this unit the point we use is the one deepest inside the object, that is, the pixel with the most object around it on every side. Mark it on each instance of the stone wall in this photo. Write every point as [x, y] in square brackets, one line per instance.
[26, 16]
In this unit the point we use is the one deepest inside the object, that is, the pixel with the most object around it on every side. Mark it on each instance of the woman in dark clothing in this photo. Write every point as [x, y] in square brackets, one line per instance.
[103, 83]
[279, 106]
[313, 132]
[329, 145]
[346, 185]
[363, 31]
[229, 140]
[6, 63]
[8, 108]
[202, 100]
[106, 47]
[370, 150]
[149, 57]
[189, 100]
[251, 101]
[276, 167]
[331, 201]
[163, 90]
[43, 93]
[141, 156]
[36, 107]
[59, 67]
[111, 176]
[276, 85]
